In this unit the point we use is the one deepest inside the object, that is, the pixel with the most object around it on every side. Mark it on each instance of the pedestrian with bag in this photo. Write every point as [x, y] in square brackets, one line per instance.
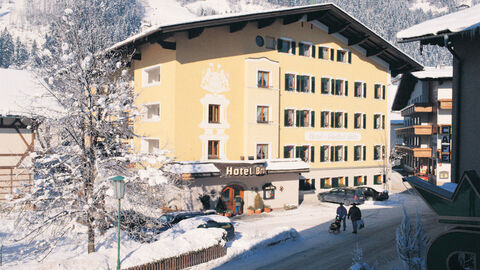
[342, 214]
[238, 205]
[355, 215]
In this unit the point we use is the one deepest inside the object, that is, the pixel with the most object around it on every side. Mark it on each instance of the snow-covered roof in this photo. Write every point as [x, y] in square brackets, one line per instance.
[327, 14]
[463, 20]
[434, 72]
[193, 168]
[274, 165]
[18, 91]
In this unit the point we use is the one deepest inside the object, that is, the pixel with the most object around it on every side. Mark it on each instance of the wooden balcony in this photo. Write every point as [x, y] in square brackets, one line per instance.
[416, 151]
[415, 130]
[445, 104]
[417, 108]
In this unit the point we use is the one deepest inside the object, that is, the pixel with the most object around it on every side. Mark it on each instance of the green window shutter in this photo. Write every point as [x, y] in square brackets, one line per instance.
[366, 181]
[346, 181]
[355, 181]
[312, 154]
[293, 47]
[364, 121]
[313, 51]
[286, 118]
[322, 183]
[298, 118]
[332, 54]
[332, 118]
[346, 120]
[322, 154]
[297, 152]
[322, 119]
[312, 124]
[286, 81]
[374, 121]
[298, 82]
[364, 90]
[302, 118]
[383, 91]
[338, 56]
[332, 153]
[279, 44]
[355, 121]
[332, 88]
[349, 57]
[345, 157]
[286, 153]
[313, 84]
[384, 178]
[346, 88]
[383, 121]
[320, 53]
[364, 153]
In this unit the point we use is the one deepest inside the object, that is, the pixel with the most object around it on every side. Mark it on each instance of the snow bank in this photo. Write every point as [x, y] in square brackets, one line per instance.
[192, 224]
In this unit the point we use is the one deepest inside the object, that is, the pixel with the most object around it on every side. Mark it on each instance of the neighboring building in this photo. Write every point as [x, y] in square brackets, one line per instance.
[307, 82]
[425, 101]
[459, 32]
[395, 139]
[17, 130]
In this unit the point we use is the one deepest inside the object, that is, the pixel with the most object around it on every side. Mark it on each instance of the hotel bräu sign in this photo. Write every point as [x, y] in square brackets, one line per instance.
[241, 169]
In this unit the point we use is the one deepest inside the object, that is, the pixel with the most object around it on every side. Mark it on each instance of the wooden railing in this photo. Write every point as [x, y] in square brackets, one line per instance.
[184, 260]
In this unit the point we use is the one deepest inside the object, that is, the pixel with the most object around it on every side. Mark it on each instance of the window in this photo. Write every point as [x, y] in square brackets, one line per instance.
[339, 120]
[325, 86]
[213, 114]
[341, 56]
[289, 82]
[338, 182]
[302, 152]
[151, 76]
[262, 114]
[383, 152]
[323, 53]
[262, 151]
[364, 152]
[213, 149]
[304, 49]
[285, 46]
[324, 153]
[270, 43]
[325, 183]
[357, 152]
[268, 191]
[358, 120]
[306, 184]
[325, 119]
[377, 121]
[376, 152]
[359, 180]
[289, 118]
[305, 118]
[152, 112]
[360, 89]
[341, 88]
[305, 83]
[383, 121]
[153, 145]
[377, 179]
[378, 91]
[263, 79]
[288, 151]
[338, 153]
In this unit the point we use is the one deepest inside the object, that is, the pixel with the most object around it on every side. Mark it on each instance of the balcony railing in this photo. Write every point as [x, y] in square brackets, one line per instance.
[417, 108]
[415, 130]
[416, 151]
[445, 104]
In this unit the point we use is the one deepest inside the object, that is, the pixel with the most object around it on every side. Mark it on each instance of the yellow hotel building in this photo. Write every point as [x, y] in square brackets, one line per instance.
[307, 82]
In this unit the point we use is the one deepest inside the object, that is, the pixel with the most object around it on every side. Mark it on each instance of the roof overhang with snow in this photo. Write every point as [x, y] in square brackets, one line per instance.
[334, 18]
[448, 27]
[409, 80]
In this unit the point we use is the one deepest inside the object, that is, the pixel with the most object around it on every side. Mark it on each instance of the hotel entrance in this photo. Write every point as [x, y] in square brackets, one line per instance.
[228, 196]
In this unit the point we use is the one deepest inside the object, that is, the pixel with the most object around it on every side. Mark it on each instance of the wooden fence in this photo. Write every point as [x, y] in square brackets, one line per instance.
[184, 260]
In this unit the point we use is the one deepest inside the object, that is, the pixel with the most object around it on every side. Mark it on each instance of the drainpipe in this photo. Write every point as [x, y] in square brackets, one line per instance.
[455, 139]
[279, 110]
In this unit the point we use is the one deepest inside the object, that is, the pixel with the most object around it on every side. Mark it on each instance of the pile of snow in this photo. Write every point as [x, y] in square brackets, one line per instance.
[193, 223]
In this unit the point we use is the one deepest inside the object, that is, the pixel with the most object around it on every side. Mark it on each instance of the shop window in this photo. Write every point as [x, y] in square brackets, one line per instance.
[377, 179]
[262, 151]
[289, 118]
[213, 114]
[323, 52]
[325, 183]
[152, 112]
[263, 79]
[288, 151]
[325, 86]
[289, 82]
[226, 195]
[304, 49]
[325, 119]
[213, 149]
[262, 114]
[270, 42]
[268, 191]
[324, 153]
[286, 46]
[357, 152]
[307, 184]
[443, 175]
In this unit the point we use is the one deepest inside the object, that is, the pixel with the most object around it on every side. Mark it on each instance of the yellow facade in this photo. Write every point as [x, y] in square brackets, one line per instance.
[219, 67]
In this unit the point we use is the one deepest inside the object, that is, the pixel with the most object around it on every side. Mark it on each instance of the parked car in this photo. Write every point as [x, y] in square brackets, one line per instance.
[227, 226]
[371, 193]
[343, 195]
[165, 222]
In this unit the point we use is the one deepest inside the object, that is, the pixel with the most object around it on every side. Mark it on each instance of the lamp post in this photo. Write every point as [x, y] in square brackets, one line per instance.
[118, 184]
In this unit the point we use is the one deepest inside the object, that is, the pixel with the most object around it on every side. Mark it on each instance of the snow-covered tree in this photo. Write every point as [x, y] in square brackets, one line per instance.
[21, 53]
[411, 243]
[85, 131]
[7, 49]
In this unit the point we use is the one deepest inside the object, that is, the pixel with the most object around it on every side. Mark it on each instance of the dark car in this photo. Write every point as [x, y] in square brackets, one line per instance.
[343, 195]
[371, 193]
[165, 222]
[227, 226]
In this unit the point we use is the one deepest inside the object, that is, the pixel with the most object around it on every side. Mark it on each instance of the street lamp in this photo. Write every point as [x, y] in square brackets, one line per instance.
[118, 184]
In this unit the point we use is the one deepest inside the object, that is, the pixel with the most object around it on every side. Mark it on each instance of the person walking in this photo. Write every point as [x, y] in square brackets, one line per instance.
[355, 215]
[238, 205]
[342, 214]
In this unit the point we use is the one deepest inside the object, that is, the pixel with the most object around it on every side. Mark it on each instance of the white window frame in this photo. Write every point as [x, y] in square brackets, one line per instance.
[346, 55]
[329, 48]
[379, 120]
[269, 114]
[328, 160]
[270, 81]
[379, 152]
[293, 149]
[145, 112]
[269, 147]
[309, 116]
[343, 89]
[294, 82]
[274, 42]
[145, 146]
[361, 120]
[329, 117]
[361, 152]
[329, 84]
[290, 46]
[380, 97]
[310, 50]
[361, 89]
[145, 76]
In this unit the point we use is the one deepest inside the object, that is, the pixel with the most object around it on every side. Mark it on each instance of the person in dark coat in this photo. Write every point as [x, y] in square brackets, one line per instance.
[238, 205]
[342, 213]
[355, 215]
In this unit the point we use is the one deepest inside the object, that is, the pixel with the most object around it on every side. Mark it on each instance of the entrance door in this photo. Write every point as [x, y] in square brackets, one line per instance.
[228, 196]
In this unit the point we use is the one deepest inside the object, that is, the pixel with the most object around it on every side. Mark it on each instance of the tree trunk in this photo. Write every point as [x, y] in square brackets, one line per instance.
[91, 233]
